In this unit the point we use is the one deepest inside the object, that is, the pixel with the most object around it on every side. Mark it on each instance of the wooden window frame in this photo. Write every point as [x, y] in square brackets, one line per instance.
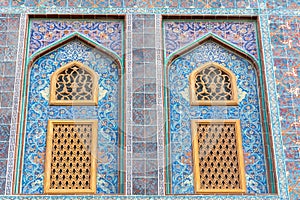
[48, 158]
[195, 149]
[193, 98]
[94, 101]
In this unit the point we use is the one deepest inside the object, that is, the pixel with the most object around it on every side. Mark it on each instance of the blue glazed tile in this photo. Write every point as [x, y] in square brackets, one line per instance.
[6, 99]
[138, 100]
[12, 38]
[3, 38]
[151, 186]
[150, 85]
[138, 133]
[292, 152]
[150, 100]
[138, 55]
[172, 4]
[288, 119]
[150, 71]
[138, 116]
[150, 117]
[3, 24]
[139, 186]
[5, 115]
[9, 69]
[293, 173]
[138, 26]
[138, 168]
[3, 149]
[10, 53]
[3, 167]
[13, 25]
[2, 186]
[138, 150]
[150, 133]
[149, 55]
[138, 85]
[151, 150]
[4, 132]
[151, 168]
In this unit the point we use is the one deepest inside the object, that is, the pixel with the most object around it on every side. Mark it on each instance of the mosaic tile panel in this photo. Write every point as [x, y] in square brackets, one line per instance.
[104, 32]
[178, 34]
[9, 27]
[181, 113]
[39, 111]
[284, 32]
[144, 146]
[134, 3]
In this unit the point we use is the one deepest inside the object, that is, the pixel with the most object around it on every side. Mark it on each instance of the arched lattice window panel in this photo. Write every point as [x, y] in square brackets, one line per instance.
[70, 166]
[213, 84]
[74, 84]
[218, 156]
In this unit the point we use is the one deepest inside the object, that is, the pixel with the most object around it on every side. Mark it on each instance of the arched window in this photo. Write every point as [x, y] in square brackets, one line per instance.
[213, 84]
[74, 84]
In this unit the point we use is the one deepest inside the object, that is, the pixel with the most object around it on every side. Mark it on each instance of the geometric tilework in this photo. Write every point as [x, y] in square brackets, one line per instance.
[284, 32]
[141, 4]
[104, 32]
[9, 28]
[39, 112]
[181, 113]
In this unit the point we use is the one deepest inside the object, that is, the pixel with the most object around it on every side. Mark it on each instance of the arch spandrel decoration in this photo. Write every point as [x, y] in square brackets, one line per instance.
[213, 84]
[74, 84]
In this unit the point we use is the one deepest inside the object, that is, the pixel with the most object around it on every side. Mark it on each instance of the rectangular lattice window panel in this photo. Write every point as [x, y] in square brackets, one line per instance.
[218, 156]
[70, 166]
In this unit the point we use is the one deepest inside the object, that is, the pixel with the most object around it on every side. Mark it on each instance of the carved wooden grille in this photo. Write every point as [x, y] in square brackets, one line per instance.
[74, 84]
[70, 158]
[213, 84]
[218, 157]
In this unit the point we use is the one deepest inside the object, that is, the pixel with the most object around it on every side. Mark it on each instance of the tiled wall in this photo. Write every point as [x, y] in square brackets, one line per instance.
[144, 130]
[9, 31]
[285, 32]
[282, 27]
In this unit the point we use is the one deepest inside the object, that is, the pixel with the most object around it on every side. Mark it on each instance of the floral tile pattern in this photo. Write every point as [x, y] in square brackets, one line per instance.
[181, 33]
[181, 114]
[104, 32]
[39, 112]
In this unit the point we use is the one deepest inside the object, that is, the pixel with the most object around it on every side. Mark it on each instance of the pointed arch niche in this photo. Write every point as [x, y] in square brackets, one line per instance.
[203, 62]
[91, 74]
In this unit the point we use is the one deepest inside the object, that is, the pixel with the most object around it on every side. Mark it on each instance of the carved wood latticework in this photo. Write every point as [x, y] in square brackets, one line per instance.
[213, 84]
[74, 84]
[70, 166]
[218, 157]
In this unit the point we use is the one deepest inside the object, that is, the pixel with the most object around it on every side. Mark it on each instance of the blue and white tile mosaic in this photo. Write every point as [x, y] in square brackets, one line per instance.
[179, 34]
[108, 33]
[181, 113]
[39, 112]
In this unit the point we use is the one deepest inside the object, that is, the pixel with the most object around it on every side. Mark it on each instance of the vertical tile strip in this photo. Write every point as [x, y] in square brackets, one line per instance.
[15, 108]
[128, 132]
[159, 104]
[273, 107]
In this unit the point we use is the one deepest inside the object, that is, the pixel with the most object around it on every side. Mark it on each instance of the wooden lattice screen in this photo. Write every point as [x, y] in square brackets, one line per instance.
[213, 84]
[70, 166]
[218, 157]
[74, 84]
